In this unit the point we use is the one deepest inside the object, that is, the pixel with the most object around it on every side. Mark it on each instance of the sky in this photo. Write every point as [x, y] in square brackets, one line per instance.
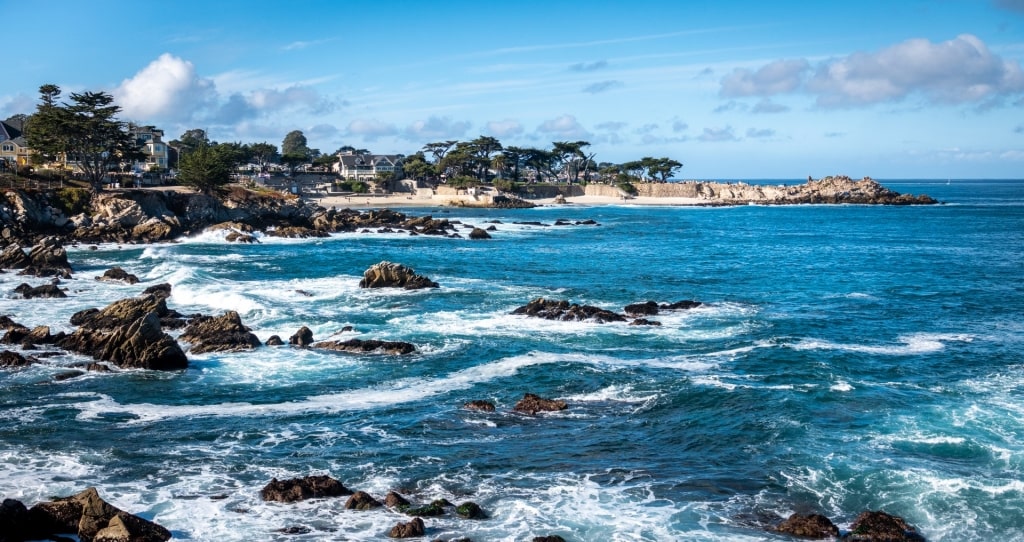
[893, 89]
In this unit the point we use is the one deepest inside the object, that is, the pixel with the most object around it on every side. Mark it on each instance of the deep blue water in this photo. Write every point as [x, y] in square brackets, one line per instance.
[846, 358]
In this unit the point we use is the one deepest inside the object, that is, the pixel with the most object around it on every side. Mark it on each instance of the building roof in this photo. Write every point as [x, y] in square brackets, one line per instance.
[10, 130]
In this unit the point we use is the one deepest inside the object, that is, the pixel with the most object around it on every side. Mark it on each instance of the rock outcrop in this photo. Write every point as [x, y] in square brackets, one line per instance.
[532, 404]
[392, 275]
[300, 489]
[302, 338]
[550, 309]
[877, 526]
[92, 519]
[360, 346]
[411, 529]
[48, 258]
[479, 404]
[808, 526]
[14, 360]
[224, 333]
[116, 274]
[361, 500]
[127, 333]
[43, 291]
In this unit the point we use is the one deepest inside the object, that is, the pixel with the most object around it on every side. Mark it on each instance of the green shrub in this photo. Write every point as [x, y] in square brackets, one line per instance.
[73, 201]
[627, 187]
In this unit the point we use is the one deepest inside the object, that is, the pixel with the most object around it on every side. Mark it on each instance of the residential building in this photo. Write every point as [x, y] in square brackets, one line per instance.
[363, 167]
[14, 149]
[150, 140]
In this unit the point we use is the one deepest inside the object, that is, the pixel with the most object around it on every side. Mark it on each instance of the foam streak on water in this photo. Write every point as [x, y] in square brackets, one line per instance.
[845, 358]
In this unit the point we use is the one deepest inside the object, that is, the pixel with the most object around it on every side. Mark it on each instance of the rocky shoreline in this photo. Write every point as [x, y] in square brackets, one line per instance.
[132, 334]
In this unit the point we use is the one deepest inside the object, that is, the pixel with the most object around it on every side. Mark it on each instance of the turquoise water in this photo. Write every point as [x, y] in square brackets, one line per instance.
[846, 358]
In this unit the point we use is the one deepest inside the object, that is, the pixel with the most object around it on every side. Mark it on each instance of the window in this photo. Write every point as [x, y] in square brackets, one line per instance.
[8, 147]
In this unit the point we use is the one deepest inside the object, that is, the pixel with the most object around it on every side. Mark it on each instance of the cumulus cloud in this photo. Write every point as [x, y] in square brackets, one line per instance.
[564, 127]
[679, 126]
[371, 129]
[768, 106]
[717, 134]
[435, 128]
[602, 86]
[167, 86]
[958, 71]
[504, 128]
[760, 133]
[322, 131]
[585, 67]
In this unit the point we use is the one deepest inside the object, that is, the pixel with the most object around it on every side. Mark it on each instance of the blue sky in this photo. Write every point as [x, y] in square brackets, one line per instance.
[733, 89]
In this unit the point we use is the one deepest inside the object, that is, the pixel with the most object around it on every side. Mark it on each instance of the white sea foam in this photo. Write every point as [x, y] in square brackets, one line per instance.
[841, 386]
[913, 344]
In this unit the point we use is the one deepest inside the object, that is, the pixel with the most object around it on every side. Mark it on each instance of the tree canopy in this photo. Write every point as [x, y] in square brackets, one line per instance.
[205, 168]
[85, 132]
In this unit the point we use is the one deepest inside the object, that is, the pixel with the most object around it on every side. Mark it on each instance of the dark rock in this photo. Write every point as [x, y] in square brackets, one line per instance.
[274, 340]
[532, 404]
[121, 312]
[83, 316]
[563, 310]
[393, 275]
[48, 258]
[491, 228]
[433, 509]
[14, 520]
[94, 520]
[808, 526]
[297, 232]
[882, 527]
[44, 291]
[411, 529]
[644, 322]
[361, 500]
[14, 359]
[395, 500]
[97, 368]
[225, 333]
[138, 344]
[244, 238]
[549, 538]
[303, 337]
[300, 489]
[162, 291]
[479, 233]
[479, 404]
[365, 346]
[649, 308]
[116, 274]
[470, 510]
[13, 257]
[295, 530]
[681, 305]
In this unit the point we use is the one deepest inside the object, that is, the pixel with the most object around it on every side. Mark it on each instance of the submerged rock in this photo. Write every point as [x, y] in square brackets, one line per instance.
[361, 500]
[44, 291]
[479, 404]
[392, 275]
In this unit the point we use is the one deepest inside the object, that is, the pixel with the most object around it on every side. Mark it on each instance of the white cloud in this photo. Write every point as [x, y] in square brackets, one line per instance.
[731, 105]
[957, 71]
[564, 127]
[435, 128]
[371, 129]
[168, 86]
[504, 128]
[960, 70]
[774, 78]
[602, 86]
[717, 135]
[16, 104]
[759, 133]
[768, 106]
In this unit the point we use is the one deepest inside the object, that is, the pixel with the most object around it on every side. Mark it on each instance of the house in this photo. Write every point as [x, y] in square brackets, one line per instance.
[14, 149]
[150, 141]
[362, 167]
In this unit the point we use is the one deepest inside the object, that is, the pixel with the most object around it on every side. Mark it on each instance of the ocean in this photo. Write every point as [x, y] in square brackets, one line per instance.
[845, 358]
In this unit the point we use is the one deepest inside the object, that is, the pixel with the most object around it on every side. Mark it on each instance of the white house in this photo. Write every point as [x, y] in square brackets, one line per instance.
[367, 166]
